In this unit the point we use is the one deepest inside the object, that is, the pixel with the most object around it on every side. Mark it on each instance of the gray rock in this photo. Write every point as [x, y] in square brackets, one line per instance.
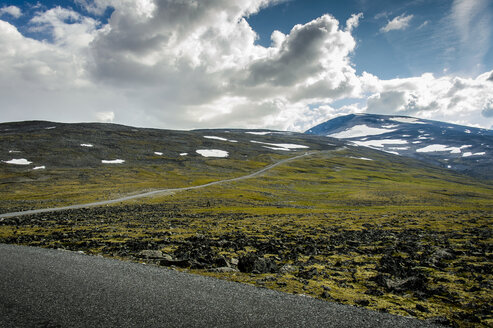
[150, 254]
[224, 269]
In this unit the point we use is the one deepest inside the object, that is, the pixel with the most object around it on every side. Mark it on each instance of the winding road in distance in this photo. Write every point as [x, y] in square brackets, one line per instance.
[53, 288]
[154, 192]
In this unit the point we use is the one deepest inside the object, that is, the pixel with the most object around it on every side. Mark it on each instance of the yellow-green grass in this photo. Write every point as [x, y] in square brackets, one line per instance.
[325, 197]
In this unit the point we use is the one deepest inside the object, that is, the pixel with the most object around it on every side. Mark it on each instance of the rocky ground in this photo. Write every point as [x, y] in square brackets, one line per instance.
[434, 265]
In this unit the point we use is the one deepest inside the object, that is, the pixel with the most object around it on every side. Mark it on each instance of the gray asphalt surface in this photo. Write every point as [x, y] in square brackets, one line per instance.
[151, 193]
[52, 288]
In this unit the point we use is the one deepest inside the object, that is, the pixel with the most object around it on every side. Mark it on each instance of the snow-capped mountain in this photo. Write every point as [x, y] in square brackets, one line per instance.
[456, 147]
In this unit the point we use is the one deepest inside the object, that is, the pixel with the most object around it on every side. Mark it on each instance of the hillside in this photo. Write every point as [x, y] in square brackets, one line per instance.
[345, 223]
[453, 147]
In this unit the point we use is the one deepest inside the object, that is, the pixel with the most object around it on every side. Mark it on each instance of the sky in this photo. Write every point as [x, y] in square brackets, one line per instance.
[276, 64]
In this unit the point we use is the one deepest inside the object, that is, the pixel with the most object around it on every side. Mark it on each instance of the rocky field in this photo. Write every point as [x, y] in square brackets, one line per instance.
[345, 224]
[406, 263]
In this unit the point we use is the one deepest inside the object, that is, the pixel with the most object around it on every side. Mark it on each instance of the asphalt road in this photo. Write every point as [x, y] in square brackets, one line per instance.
[52, 288]
[154, 192]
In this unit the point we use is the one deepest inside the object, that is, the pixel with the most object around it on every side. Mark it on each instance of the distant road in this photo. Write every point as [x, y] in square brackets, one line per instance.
[53, 288]
[151, 193]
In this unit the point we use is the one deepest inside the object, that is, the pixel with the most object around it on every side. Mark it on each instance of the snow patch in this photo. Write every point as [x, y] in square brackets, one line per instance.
[14, 151]
[50, 128]
[158, 153]
[277, 148]
[183, 154]
[86, 145]
[258, 133]
[39, 167]
[438, 147]
[390, 126]
[467, 131]
[18, 161]
[113, 161]
[468, 153]
[381, 143]
[215, 138]
[212, 152]
[406, 120]
[219, 138]
[363, 158]
[360, 131]
[281, 145]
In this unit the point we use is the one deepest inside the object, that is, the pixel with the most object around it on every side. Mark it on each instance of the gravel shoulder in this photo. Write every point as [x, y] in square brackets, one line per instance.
[52, 288]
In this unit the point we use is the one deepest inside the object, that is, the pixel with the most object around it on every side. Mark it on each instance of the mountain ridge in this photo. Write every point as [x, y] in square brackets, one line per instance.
[464, 149]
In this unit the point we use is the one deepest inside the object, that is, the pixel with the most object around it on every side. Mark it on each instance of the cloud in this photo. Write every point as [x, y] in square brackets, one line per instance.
[196, 64]
[472, 21]
[105, 117]
[11, 10]
[184, 65]
[425, 23]
[353, 21]
[448, 98]
[398, 23]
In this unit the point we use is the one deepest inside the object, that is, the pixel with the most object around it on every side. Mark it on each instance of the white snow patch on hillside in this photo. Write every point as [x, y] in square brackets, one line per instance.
[416, 142]
[258, 133]
[50, 128]
[86, 145]
[219, 138]
[398, 148]
[183, 154]
[215, 138]
[39, 167]
[468, 153]
[113, 161]
[380, 143]
[212, 152]
[18, 161]
[158, 153]
[362, 158]
[277, 148]
[467, 131]
[438, 147]
[406, 120]
[359, 131]
[14, 151]
[281, 145]
[390, 126]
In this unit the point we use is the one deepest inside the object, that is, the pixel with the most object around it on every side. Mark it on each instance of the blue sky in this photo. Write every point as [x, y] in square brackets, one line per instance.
[243, 63]
[423, 46]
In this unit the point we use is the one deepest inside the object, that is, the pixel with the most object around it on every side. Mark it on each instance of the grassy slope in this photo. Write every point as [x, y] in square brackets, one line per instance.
[334, 219]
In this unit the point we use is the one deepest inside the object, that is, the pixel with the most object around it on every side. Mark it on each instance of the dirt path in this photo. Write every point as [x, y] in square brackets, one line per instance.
[154, 192]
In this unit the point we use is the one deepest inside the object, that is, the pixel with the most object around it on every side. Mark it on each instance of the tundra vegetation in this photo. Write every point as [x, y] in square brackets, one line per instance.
[389, 234]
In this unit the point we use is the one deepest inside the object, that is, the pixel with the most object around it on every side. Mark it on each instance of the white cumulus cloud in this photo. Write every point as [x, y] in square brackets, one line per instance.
[398, 23]
[11, 10]
[190, 64]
